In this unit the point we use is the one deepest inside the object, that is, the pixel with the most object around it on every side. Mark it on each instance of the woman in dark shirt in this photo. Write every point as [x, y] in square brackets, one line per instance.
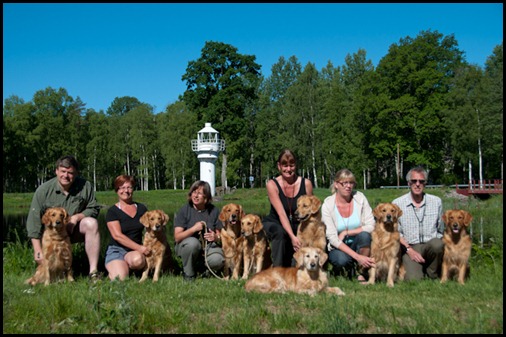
[197, 227]
[281, 224]
[125, 251]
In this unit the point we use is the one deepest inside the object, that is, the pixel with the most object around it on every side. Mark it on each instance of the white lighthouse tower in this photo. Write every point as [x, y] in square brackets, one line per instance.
[208, 146]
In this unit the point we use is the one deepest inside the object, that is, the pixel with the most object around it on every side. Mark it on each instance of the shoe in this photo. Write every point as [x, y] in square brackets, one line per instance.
[361, 279]
[188, 278]
[95, 276]
[206, 274]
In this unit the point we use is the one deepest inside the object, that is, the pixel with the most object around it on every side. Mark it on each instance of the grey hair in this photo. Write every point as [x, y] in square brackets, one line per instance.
[418, 169]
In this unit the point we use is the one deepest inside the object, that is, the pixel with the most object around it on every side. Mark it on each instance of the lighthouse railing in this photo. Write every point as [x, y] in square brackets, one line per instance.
[208, 145]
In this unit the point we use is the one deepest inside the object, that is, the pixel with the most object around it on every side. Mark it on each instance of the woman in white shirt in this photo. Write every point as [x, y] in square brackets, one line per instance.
[349, 221]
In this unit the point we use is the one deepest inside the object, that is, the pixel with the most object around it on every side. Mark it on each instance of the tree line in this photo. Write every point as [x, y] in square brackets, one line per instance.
[423, 104]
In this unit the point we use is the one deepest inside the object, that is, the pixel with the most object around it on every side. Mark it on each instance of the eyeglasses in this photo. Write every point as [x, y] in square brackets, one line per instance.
[346, 183]
[414, 181]
[198, 193]
[126, 188]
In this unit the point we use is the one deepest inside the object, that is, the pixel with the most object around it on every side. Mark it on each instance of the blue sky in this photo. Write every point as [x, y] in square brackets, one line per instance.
[102, 51]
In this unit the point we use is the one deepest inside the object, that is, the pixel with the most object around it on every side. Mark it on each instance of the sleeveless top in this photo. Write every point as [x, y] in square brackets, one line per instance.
[289, 205]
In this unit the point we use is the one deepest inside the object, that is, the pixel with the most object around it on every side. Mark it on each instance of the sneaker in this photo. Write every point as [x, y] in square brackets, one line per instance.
[95, 276]
[188, 278]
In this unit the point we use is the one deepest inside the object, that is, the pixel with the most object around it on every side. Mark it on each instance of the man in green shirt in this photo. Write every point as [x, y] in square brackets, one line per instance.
[77, 196]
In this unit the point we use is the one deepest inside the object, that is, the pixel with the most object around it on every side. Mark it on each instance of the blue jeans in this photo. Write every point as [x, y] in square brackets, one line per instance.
[340, 259]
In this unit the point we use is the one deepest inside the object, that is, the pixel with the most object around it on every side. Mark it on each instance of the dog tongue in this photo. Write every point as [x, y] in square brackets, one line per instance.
[455, 230]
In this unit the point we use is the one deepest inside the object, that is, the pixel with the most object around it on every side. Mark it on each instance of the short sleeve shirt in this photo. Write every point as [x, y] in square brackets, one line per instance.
[131, 227]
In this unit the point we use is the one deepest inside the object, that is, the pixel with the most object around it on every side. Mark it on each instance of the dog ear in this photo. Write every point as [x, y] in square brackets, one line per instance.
[66, 216]
[45, 218]
[376, 211]
[445, 216]
[299, 258]
[144, 219]
[222, 216]
[241, 212]
[398, 210]
[323, 257]
[467, 218]
[165, 217]
[315, 204]
[258, 226]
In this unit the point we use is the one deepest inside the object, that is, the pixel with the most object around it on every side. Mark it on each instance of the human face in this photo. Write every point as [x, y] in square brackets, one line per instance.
[125, 192]
[344, 187]
[417, 183]
[66, 176]
[199, 198]
[287, 170]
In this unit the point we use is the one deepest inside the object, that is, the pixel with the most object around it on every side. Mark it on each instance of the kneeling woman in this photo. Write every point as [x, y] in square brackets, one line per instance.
[197, 231]
[349, 221]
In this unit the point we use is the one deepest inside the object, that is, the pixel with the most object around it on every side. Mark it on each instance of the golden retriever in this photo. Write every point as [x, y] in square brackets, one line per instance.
[155, 239]
[386, 246]
[457, 245]
[311, 229]
[256, 253]
[56, 247]
[307, 277]
[231, 239]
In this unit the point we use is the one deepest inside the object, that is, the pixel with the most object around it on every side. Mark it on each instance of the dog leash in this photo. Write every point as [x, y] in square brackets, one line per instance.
[206, 246]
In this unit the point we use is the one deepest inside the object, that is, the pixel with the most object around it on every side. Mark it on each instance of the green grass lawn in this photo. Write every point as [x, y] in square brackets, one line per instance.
[215, 306]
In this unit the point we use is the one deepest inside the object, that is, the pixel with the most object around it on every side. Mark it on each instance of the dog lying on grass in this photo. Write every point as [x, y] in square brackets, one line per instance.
[307, 277]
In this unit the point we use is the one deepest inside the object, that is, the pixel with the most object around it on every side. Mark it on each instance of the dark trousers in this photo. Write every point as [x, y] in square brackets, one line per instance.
[281, 245]
[432, 252]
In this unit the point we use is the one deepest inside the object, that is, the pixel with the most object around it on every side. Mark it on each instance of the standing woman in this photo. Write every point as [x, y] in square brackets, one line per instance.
[281, 224]
[197, 231]
[125, 251]
[349, 221]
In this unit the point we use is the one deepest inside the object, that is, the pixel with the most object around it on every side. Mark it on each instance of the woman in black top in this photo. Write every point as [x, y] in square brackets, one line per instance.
[281, 223]
[125, 251]
[197, 227]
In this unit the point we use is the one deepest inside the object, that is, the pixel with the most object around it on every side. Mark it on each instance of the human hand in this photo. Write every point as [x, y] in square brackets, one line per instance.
[296, 243]
[145, 250]
[365, 261]
[210, 235]
[341, 236]
[415, 256]
[199, 226]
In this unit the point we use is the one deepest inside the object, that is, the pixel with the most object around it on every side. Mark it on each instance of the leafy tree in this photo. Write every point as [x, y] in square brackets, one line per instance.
[462, 118]
[176, 128]
[492, 117]
[54, 134]
[220, 85]
[356, 74]
[416, 75]
[97, 148]
[119, 132]
[18, 146]
[301, 115]
[269, 136]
